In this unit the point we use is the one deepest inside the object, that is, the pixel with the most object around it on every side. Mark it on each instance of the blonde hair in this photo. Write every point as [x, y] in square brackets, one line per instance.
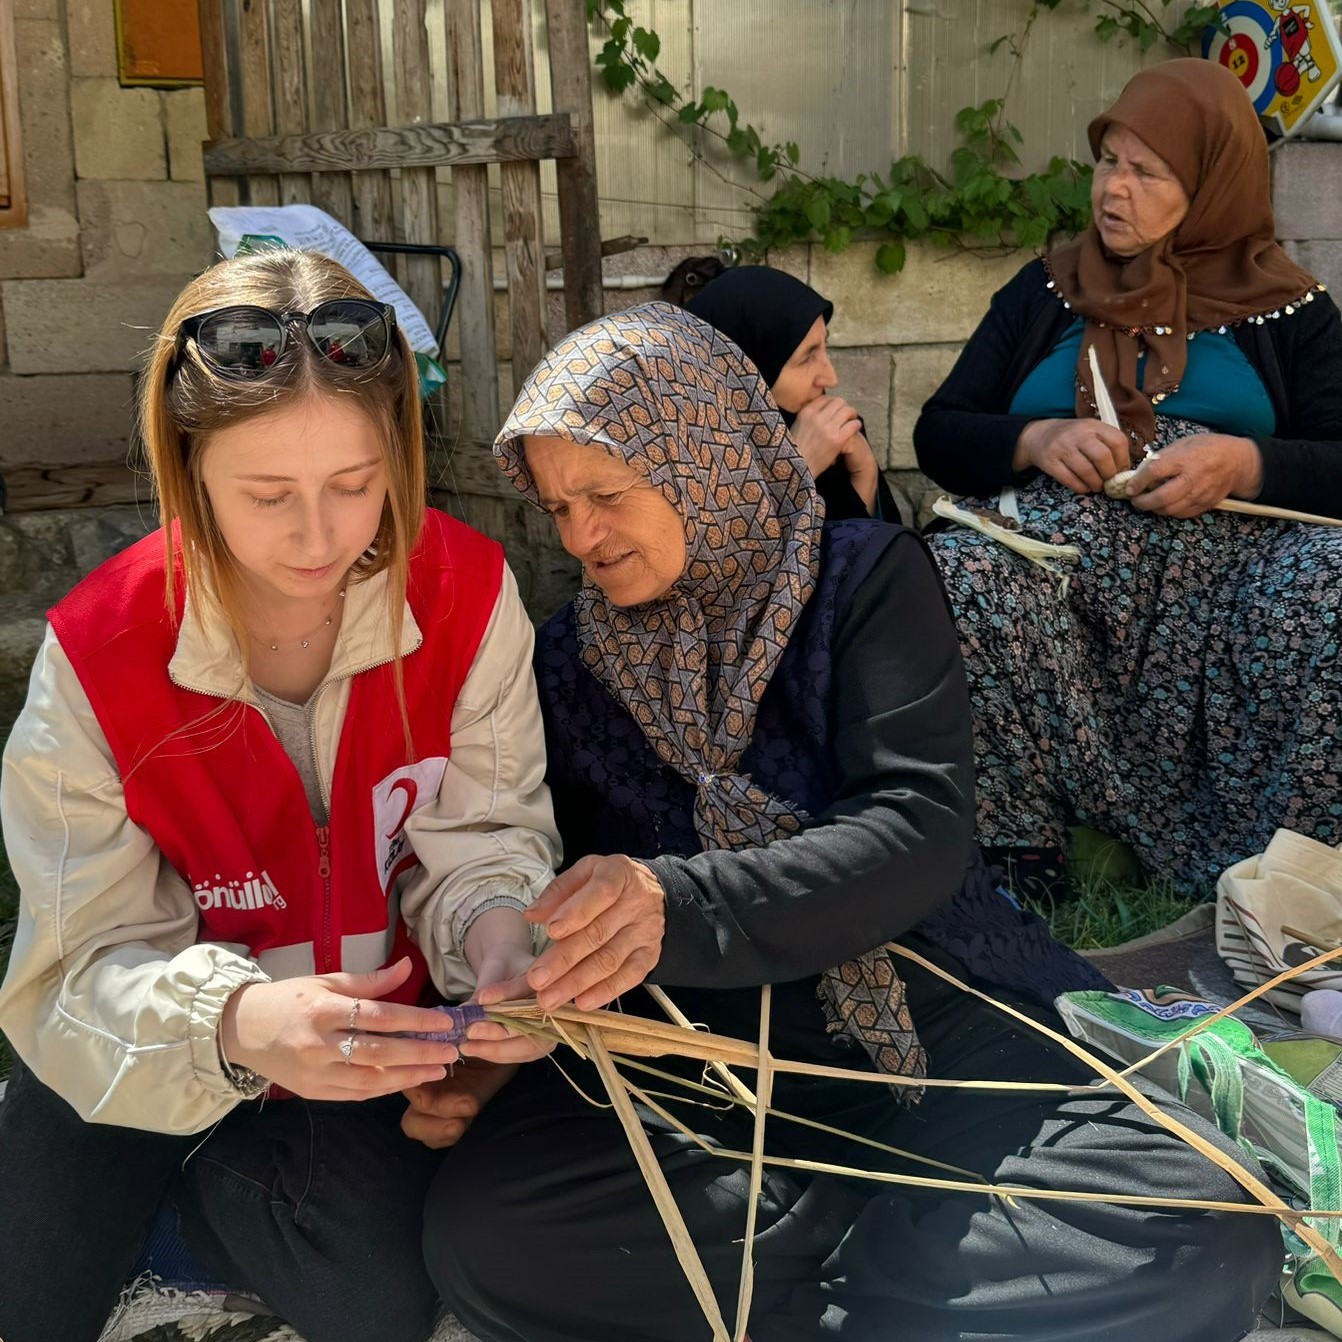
[182, 401]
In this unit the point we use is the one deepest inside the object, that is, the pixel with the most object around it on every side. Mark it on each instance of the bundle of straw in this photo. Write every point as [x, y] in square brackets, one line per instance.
[601, 1036]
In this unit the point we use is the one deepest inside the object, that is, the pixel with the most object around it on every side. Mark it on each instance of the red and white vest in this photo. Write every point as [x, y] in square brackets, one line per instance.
[213, 787]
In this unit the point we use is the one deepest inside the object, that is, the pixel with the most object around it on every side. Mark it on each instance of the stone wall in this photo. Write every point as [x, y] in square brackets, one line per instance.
[1307, 199]
[117, 224]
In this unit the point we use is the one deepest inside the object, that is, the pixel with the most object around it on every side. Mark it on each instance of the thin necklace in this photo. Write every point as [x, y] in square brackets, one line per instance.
[306, 642]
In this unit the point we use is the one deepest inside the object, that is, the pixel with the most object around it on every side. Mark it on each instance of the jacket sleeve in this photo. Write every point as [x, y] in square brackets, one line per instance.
[895, 844]
[1303, 468]
[964, 439]
[109, 999]
[489, 840]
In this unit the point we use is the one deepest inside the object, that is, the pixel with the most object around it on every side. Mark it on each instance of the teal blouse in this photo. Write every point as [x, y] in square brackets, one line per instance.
[1220, 387]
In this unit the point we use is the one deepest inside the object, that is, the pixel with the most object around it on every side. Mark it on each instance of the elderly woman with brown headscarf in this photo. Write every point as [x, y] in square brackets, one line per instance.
[1182, 694]
[758, 744]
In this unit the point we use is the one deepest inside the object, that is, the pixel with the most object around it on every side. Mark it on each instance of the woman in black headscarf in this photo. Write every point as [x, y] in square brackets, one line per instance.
[782, 324]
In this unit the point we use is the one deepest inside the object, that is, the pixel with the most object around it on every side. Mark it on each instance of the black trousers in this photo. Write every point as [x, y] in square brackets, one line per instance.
[565, 1245]
[314, 1207]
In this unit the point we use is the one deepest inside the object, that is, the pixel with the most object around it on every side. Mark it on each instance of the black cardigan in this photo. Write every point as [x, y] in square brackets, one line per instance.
[965, 439]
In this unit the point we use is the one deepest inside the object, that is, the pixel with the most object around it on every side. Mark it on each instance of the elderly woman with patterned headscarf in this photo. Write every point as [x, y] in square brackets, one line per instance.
[1182, 694]
[759, 749]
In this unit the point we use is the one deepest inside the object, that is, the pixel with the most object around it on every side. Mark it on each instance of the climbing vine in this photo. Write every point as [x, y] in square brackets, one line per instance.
[984, 198]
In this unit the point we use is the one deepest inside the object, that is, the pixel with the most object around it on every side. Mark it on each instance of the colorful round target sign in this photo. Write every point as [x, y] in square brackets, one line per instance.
[1251, 50]
[1284, 52]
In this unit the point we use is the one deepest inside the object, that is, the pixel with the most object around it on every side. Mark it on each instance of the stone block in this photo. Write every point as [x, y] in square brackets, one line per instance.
[35, 555]
[92, 30]
[4, 344]
[864, 382]
[1322, 257]
[97, 534]
[77, 326]
[1307, 189]
[184, 121]
[22, 626]
[38, 9]
[118, 132]
[130, 229]
[920, 492]
[49, 244]
[940, 295]
[45, 553]
[42, 555]
[796, 261]
[44, 112]
[64, 418]
[919, 371]
[46, 248]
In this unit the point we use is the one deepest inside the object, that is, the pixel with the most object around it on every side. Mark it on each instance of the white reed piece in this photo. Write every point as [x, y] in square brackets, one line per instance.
[1116, 486]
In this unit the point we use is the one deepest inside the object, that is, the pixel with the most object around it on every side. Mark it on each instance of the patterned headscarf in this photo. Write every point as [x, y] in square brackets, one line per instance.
[668, 395]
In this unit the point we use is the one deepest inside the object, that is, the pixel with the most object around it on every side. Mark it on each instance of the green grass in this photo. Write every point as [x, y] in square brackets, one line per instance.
[1113, 899]
[1105, 913]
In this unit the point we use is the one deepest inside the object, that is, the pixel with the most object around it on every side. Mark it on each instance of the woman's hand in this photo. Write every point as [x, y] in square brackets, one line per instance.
[498, 949]
[823, 431]
[291, 1032]
[1079, 453]
[441, 1111]
[499, 946]
[606, 917]
[863, 472]
[1196, 473]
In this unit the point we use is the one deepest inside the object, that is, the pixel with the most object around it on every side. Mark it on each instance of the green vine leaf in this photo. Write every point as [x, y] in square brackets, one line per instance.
[818, 212]
[987, 198]
[647, 44]
[890, 257]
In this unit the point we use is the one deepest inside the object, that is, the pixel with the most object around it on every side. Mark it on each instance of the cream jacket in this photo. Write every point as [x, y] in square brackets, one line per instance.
[109, 998]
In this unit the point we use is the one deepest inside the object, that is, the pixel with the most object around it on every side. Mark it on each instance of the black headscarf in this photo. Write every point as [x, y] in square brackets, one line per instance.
[768, 313]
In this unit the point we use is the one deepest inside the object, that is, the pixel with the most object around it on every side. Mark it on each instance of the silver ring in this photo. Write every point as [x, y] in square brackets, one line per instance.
[347, 1048]
[354, 1015]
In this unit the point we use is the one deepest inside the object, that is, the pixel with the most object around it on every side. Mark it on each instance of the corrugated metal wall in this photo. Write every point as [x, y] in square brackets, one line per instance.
[1066, 75]
[854, 82]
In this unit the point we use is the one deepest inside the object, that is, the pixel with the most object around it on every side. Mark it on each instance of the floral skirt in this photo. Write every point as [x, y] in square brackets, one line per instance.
[1183, 694]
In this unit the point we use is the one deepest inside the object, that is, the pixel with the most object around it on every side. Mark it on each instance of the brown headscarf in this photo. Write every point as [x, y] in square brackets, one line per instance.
[1221, 265]
[666, 393]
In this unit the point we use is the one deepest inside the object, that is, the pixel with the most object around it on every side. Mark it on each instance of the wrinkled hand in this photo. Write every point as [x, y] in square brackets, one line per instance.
[291, 1031]
[823, 429]
[1196, 473]
[1079, 453]
[605, 917]
[441, 1111]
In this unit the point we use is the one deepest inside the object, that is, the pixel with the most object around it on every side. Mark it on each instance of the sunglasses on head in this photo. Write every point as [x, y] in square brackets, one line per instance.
[246, 341]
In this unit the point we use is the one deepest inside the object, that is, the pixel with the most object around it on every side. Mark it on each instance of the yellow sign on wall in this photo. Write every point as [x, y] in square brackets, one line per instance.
[1286, 54]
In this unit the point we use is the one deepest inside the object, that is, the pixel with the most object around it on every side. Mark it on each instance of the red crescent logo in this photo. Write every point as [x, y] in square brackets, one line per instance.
[411, 789]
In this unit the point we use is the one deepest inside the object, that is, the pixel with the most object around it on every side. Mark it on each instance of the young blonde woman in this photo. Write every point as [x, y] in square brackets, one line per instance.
[278, 784]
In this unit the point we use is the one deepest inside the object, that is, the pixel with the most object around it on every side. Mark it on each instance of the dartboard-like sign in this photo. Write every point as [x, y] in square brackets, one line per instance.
[1285, 54]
